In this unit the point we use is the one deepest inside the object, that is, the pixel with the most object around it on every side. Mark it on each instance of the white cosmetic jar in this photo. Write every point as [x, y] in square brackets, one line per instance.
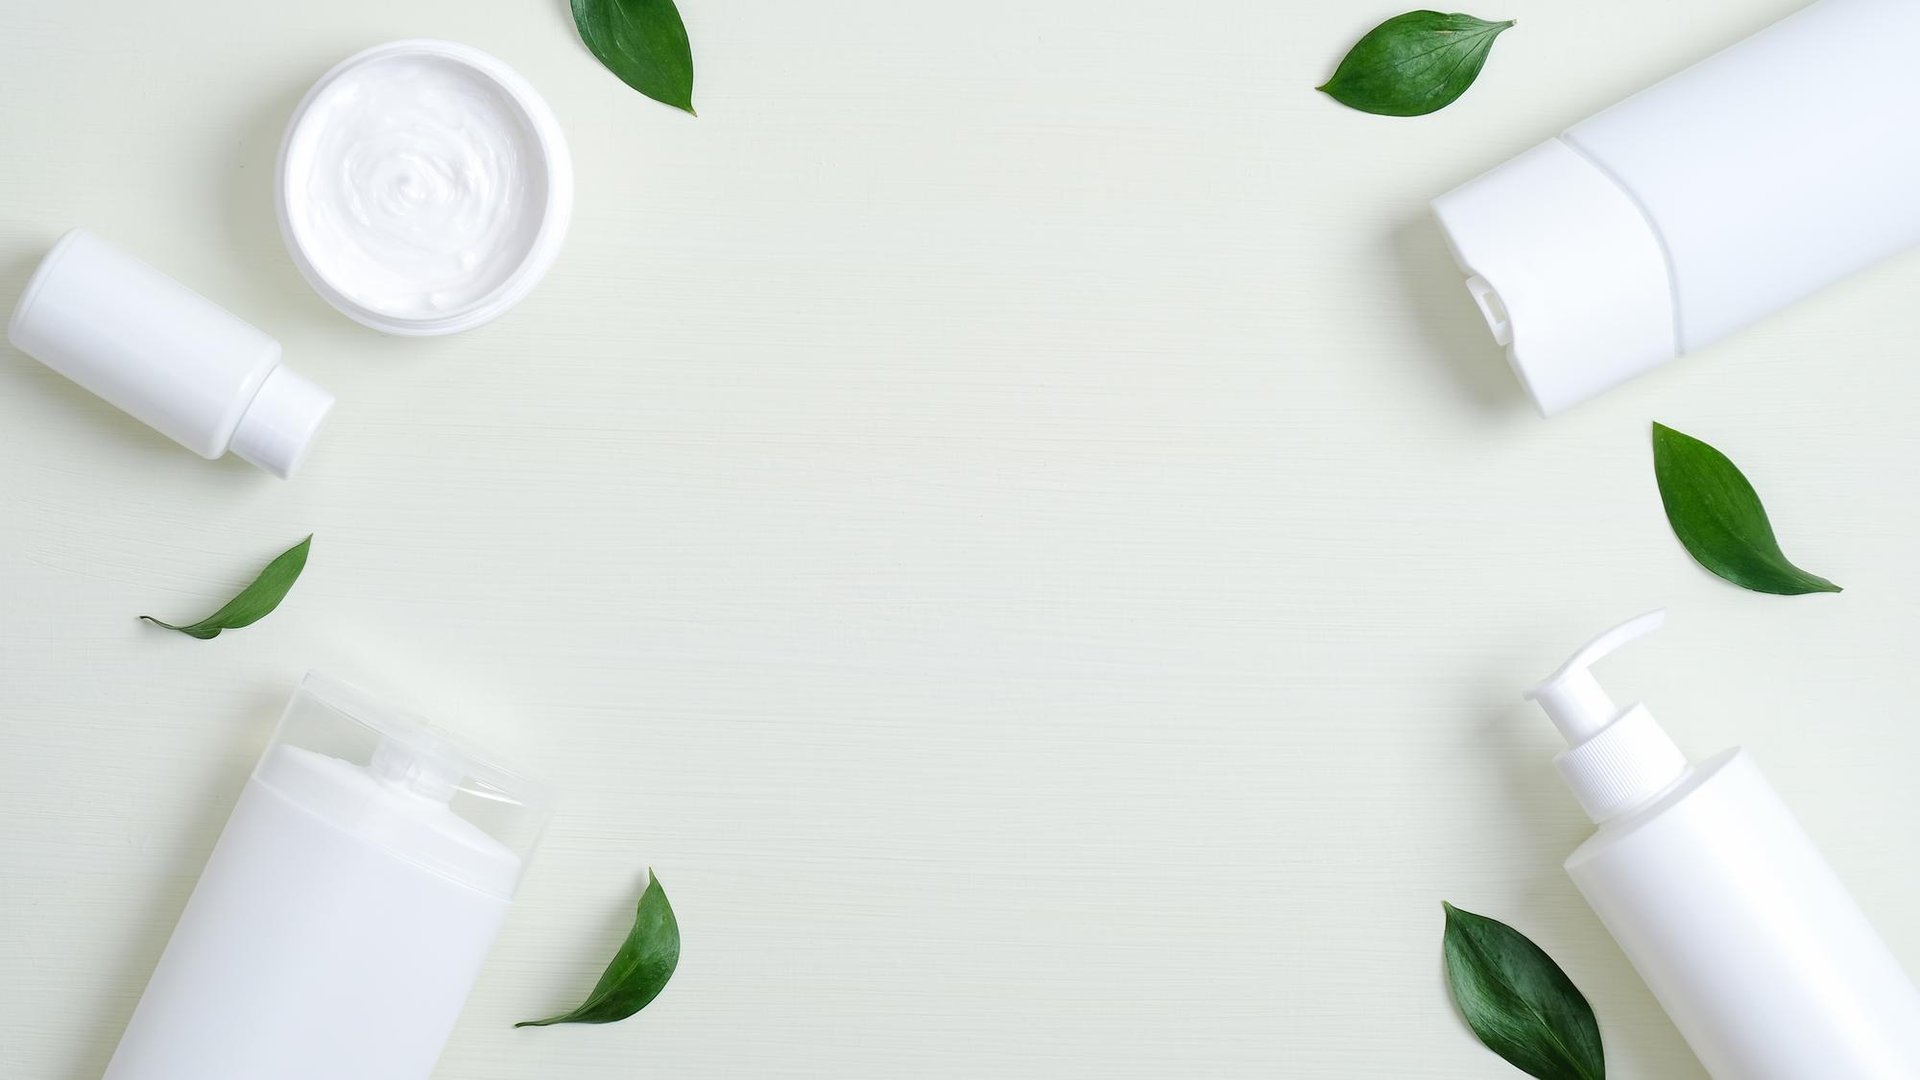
[423, 187]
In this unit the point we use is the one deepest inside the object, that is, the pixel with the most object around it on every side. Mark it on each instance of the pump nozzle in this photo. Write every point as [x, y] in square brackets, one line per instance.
[1616, 759]
[1574, 701]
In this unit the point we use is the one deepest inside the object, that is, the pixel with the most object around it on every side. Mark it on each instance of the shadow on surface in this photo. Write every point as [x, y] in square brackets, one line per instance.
[253, 222]
[1433, 289]
[140, 945]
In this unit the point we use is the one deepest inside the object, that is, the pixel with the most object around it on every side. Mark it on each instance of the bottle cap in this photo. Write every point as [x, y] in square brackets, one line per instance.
[165, 355]
[280, 422]
[1616, 759]
[405, 785]
[1568, 271]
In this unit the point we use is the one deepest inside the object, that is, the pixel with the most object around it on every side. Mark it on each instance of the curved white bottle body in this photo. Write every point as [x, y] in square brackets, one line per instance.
[309, 952]
[1750, 942]
[341, 921]
[1777, 167]
[1700, 205]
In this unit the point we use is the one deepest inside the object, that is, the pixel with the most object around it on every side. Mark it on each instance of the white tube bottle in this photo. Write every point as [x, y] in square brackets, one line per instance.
[166, 355]
[1701, 205]
[1719, 898]
[346, 909]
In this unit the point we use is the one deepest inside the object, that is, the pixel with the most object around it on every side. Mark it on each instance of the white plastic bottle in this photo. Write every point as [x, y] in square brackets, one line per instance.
[346, 910]
[166, 355]
[1720, 899]
[1703, 204]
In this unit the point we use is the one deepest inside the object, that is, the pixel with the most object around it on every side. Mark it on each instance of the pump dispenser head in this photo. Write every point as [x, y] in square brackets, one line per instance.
[1616, 759]
[1573, 698]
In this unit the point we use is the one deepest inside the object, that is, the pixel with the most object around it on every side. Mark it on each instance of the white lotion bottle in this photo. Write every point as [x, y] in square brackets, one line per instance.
[346, 910]
[1701, 205]
[1719, 898]
[166, 355]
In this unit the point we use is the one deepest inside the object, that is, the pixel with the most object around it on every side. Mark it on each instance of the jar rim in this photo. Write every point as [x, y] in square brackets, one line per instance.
[554, 162]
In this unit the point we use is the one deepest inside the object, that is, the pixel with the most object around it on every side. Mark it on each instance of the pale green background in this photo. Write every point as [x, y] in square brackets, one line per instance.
[1010, 512]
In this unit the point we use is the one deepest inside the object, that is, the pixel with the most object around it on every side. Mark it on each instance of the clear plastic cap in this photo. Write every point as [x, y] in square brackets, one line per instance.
[402, 784]
[280, 422]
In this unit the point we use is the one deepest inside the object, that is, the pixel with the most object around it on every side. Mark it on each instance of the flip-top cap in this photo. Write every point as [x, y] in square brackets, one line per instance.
[1567, 270]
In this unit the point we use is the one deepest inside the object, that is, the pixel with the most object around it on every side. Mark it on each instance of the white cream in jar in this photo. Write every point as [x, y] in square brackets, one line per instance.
[424, 187]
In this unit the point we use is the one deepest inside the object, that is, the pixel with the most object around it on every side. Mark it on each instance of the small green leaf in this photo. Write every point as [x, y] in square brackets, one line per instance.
[640, 969]
[256, 601]
[642, 41]
[1519, 1002]
[1413, 64]
[1719, 519]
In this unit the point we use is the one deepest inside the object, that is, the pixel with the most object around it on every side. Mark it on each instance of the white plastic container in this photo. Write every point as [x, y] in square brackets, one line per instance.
[1701, 205]
[166, 355]
[345, 912]
[424, 187]
[1720, 899]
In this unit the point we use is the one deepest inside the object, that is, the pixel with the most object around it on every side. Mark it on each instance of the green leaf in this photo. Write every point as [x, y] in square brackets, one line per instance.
[256, 601]
[1719, 519]
[640, 969]
[642, 41]
[1519, 1002]
[1413, 64]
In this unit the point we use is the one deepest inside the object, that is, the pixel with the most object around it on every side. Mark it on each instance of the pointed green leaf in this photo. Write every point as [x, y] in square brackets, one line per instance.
[1718, 517]
[640, 969]
[1519, 1002]
[255, 601]
[1413, 64]
[642, 41]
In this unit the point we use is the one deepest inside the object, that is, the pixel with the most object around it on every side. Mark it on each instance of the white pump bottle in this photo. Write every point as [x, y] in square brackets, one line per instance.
[1719, 898]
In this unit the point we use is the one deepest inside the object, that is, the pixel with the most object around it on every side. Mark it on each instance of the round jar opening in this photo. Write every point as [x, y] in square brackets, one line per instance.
[424, 187]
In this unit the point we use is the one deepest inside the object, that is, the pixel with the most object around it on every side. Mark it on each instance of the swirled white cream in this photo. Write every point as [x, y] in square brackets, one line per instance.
[414, 186]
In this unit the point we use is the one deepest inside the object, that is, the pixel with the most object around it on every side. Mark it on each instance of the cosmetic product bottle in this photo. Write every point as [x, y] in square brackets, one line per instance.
[166, 355]
[1669, 221]
[346, 909]
[1719, 898]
